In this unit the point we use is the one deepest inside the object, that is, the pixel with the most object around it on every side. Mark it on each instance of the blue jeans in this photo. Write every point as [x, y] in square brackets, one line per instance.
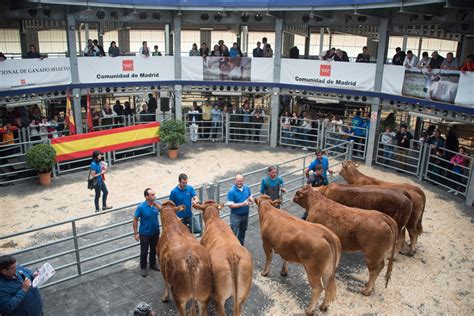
[388, 153]
[239, 224]
[193, 225]
[100, 187]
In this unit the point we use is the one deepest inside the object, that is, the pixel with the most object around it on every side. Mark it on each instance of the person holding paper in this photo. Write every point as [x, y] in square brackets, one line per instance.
[17, 296]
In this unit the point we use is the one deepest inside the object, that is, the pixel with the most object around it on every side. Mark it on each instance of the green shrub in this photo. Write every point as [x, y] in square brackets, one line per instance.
[41, 157]
[172, 133]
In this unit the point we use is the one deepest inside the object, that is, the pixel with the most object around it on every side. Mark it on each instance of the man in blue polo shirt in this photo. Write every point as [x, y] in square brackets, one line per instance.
[319, 161]
[239, 198]
[17, 296]
[184, 194]
[149, 232]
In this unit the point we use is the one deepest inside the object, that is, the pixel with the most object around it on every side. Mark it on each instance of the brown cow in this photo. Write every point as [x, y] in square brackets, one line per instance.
[185, 264]
[353, 176]
[395, 203]
[232, 266]
[374, 233]
[314, 246]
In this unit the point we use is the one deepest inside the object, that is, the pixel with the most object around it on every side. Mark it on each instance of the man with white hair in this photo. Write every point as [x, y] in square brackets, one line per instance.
[239, 198]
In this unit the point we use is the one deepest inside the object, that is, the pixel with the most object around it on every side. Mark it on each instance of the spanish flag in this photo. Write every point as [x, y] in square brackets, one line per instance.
[70, 116]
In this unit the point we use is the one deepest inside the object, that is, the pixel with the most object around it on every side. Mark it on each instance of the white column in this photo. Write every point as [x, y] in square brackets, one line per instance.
[76, 96]
[275, 102]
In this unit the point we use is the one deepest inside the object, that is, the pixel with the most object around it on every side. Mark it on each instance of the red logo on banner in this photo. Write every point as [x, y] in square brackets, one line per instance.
[325, 70]
[127, 65]
[23, 81]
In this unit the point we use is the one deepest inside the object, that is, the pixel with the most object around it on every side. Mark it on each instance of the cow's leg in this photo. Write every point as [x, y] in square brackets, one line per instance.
[284, 268]
[166, 292]
[314, 279]
[375, 265]
[267, 248]
[413, 239]
[220, 303]
[203, 307]
[181, 306]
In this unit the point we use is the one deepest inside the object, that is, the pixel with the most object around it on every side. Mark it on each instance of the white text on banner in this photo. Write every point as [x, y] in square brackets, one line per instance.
[125, 69]
[339, 75]
[34, 73]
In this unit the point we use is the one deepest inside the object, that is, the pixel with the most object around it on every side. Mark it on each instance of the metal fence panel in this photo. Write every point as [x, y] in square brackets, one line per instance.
[246, 128]
[300, 133]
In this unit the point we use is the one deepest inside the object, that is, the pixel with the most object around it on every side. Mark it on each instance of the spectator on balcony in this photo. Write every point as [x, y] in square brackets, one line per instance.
[341, 56]
[424, 61]
[235, 51]
[268, 51]
[114, 50]
[96, 113]
[294, 52]
[264, 42]
[99, 47]
[118, 108]
[363, 57]
[107, 115]
[194, 50]
[33, 53]
[450, 63]
[399, 57]
[204, 50]
[216, 52]
[410, 60]
[144, 51]
[403, 138]
[435, 61]
[91, 50]
[223, 48]
[330, 54]
[34, 130]
[459, 162]
[257, 51]
[155, 51]
[468, 64]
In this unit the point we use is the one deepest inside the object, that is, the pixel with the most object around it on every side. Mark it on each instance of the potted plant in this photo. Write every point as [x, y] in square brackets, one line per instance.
[41, 157]
[172, 133]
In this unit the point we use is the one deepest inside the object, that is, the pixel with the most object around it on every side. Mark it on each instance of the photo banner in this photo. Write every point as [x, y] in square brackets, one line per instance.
[465, 94]
[227, 69]
[339, 75]
[125, 69]
[82, 145]
[34, 73]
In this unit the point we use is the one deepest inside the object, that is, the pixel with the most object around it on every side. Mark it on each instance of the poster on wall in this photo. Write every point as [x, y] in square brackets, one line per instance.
[340, 75]
[34, 73]
[437, 85]
[125, 69]
[227, 68]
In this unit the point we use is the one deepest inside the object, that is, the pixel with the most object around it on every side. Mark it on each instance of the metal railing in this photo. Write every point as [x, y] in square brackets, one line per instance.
[248, 128]
[408, 160]
[302, 133]
[80, 247]
[335, 134]
[203, 130]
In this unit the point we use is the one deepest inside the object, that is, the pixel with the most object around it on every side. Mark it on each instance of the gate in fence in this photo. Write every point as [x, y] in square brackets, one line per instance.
[249, 128]
[198, 129]
[300, 133]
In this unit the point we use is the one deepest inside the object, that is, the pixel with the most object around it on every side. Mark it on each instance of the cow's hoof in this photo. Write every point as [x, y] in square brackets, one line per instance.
[165, 299]
[411, 253]
[264, 274]
[284, 273]
[323, 308]
[307, 312]
[366, 292]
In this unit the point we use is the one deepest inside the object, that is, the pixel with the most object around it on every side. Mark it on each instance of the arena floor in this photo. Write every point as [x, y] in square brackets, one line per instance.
[438, 279]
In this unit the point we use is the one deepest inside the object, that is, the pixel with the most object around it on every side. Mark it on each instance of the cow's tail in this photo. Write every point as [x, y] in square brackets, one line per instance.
[192, 263]
[419, 226]
[330, 290]
[394, 228]
[234, 261]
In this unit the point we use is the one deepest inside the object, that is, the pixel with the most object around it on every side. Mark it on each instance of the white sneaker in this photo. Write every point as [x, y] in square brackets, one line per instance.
[451, 191]
[305, 148]
[456, 193]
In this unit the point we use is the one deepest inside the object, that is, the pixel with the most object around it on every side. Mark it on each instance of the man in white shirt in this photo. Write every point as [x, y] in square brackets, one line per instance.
[410, 60]
[144, 51]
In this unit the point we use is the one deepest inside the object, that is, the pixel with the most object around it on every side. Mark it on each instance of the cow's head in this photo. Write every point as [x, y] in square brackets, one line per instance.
[347, 167]
[170, 205]
[301, 195]
[266, 198]
[209, 208]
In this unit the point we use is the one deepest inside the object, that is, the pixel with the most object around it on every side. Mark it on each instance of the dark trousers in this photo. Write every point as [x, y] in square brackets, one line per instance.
[148, 242]
[239, 224]
[100, 187]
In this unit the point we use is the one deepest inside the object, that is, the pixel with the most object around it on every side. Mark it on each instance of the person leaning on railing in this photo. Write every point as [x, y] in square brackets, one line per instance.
[459, 162]
[403, 138]
[468, 64]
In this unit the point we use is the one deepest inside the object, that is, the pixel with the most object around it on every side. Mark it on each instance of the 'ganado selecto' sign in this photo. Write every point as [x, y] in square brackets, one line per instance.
[34, 73]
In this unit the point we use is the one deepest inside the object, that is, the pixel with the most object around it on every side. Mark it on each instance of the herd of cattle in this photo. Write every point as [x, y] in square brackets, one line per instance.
[338, 221]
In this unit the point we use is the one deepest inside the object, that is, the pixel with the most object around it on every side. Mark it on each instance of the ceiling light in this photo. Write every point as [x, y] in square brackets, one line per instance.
[100, 14]
[156, 15]
[218, 16]
[142, 15]
[245, 17]
[258, 17]
[204, 16]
